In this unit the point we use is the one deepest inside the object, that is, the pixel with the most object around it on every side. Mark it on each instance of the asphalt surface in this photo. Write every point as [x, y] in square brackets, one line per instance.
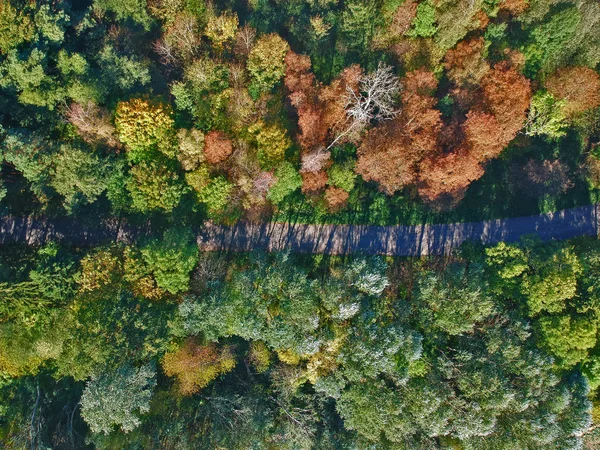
[420, 240]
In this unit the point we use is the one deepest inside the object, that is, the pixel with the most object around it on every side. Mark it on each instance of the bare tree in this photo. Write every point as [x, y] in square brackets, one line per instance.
[315, 161]
[244, 40]
[373, 102]
[93, 124]
[263, 182]
[164, 49]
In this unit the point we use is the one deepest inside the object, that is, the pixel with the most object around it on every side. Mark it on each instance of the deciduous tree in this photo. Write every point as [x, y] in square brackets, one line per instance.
[196, 365]
[266, 62]
[144, 127]
[578, 87]
[217, 147]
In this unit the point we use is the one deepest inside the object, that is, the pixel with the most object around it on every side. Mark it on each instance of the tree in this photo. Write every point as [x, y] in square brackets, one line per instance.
[195, 365]
[546, 117]
[288, 180]
[171, 259]
[127, 9]
[373, 101]
[358, 25]
[465, 64]
[272, 142]
[507, 94]
[115, 398]
[266, 62]
[25, 77]
[204, 93]
[93, 124]
[79, 176]
[144, 127]
[313, 181]
[217, 147]
[553, 282]
[122, 73]
[387, 157]
[568, 337]
[342, 176]
[550, 40]
[444, 180]
[304, 96]
[30, 154]
[546, 179]
[180, 42]
[421, 121]
[577, 87]
[456, 299]
[16, 28]
[154, 186]
[423, 24]
[221, 30]
[336, 197]
[191, 148]
[316, 161]
[100, 269]
[216, 195]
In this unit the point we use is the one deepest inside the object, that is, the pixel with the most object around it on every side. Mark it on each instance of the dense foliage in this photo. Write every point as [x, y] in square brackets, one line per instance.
[373, 111]
[174, 112]
[273, 350]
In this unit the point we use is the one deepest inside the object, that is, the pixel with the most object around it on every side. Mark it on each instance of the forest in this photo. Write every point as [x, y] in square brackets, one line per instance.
[174, 113]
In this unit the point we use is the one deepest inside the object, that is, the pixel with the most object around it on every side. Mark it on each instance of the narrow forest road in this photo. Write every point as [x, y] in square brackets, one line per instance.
[397, 240]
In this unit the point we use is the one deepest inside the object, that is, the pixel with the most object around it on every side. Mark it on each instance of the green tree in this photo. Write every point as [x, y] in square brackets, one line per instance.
[272, 142]
[79, 176]
[546, 117]
[116, 398]
[569, 337]
[359, 20]
[126, 9]
[154, 186]
[553, 281]
[25, 76]
[455, 299]
[16, 27]
[121, 73]
[342, 176]
[31, 155]
[424, 24]
[51, 24]
[204, 93]
[549, 40]
[171, 259]
[288, 180]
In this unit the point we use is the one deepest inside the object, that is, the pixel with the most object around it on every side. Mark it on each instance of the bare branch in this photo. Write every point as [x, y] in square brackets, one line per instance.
[373, 102]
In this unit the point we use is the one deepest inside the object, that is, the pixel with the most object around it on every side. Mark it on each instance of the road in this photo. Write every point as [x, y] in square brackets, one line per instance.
[420, 240]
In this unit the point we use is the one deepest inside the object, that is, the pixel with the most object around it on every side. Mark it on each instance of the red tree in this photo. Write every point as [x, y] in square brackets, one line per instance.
[217, 147]
[444, 180]
[465, 64]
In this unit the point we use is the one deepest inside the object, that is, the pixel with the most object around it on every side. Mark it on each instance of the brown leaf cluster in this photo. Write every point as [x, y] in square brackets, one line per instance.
[217, 147]
[578, 86]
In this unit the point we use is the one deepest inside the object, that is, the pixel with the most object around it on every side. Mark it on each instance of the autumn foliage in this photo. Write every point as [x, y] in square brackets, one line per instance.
[417, 148]
[465, 64]
[195, 365]
[217, 147]
[390, 153]
[578, 86]
[313, 181]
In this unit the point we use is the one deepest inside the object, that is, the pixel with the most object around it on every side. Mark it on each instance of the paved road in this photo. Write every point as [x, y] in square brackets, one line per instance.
[399, 240]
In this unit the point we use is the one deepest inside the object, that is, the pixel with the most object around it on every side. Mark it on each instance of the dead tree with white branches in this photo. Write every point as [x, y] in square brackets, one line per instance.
[373, 102]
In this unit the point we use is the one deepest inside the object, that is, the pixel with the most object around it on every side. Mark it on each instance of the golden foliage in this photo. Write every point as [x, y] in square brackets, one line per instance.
[195, 365]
